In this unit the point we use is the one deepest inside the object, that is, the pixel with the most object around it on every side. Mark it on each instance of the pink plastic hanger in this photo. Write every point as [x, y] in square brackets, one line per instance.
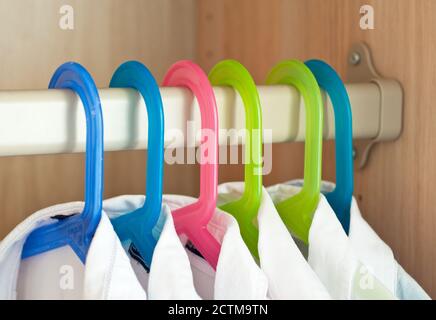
[192, 220]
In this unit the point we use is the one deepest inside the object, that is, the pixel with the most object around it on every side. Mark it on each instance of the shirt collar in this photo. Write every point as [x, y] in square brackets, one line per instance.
[105, 264]
[237, 275]
[289, 274]
[170, 275]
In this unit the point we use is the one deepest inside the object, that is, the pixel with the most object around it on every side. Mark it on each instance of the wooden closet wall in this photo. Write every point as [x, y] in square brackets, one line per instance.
[395, 189]
[106, 33]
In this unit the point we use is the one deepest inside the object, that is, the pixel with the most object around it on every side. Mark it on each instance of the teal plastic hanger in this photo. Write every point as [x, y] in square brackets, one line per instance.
[232, 73]
[340, 197]
[78, 230]
[138, 225]
[297, 211]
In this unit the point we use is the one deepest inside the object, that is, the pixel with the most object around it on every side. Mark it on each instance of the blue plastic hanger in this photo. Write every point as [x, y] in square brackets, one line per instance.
[137, 225]
[77, 231]
[340, 197]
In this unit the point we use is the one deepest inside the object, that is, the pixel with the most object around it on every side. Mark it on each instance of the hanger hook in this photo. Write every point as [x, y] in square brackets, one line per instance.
[233, 74]
[78, 230]
[340, 198]
[192, 220]
[138, 225]
[297, 211]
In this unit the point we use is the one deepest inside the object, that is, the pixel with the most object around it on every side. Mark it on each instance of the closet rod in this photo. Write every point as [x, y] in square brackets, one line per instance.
[53, 121]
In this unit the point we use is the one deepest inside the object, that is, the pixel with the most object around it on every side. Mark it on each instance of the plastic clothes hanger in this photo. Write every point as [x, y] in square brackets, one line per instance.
[232, 73]
[138, 225]
[340, 197]
[297, 211]
[192, 220]
[78, 230]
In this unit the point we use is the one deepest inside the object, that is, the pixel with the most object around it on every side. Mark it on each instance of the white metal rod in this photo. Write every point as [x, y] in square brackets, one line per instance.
[53, 121]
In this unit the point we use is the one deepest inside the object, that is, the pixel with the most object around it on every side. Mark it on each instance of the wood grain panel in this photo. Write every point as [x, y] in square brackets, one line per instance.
[395, 190]
[106, 33]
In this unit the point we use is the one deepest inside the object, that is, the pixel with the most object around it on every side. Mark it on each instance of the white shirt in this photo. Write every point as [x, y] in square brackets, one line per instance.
[170, 276]
[378, 256]
[289, 274]
[59, 273]
[331, 255]
[237, 275]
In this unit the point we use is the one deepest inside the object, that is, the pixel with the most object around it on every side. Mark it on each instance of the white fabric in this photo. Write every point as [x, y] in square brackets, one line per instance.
[59, 274]
[170, 276]
[331, 254]
[377, 255]
[237, 275]
[289, 274]
[407, 288]
[371, 250]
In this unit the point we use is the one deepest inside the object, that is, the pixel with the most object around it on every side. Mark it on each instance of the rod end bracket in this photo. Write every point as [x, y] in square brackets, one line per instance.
[360, 68]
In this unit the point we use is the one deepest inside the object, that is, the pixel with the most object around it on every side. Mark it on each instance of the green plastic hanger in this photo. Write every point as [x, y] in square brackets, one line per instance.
[297, 211]
[232, 73]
